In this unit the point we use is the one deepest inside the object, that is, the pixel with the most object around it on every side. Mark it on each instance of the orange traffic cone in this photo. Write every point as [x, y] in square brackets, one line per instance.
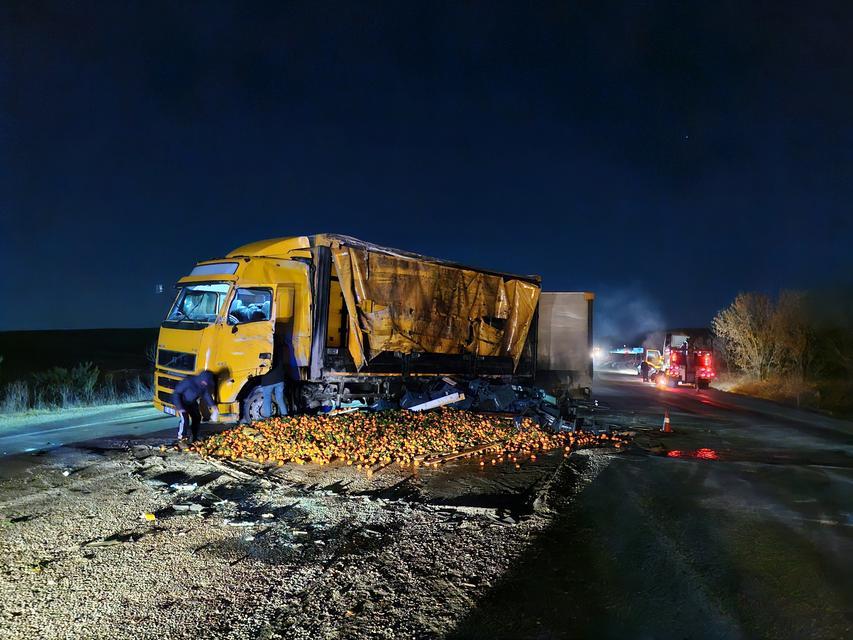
[666, 428]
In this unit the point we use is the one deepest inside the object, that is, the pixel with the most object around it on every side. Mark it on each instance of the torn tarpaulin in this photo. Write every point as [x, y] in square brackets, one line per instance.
[399, 302]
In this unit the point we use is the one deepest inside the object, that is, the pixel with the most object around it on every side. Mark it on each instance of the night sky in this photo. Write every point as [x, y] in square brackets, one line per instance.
[663, 155]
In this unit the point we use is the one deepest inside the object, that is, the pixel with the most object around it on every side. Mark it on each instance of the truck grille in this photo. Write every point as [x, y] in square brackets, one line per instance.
[176, 360]
[165, 396]
[167, 383]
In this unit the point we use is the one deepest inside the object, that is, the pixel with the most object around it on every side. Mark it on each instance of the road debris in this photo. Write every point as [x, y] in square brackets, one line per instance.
[479, 394]
[438, 402]
[184, 487]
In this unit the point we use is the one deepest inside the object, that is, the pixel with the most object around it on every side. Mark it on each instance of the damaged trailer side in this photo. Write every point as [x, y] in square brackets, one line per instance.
[383, 315]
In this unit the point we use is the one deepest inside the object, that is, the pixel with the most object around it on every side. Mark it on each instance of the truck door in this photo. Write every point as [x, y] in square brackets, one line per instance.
[245, 345]
[653, 357]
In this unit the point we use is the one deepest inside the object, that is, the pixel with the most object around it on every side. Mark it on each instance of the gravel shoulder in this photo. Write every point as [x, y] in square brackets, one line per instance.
[255, 552]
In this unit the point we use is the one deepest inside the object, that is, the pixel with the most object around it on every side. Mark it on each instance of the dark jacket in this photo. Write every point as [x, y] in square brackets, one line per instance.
[276, 372]
[191, 389]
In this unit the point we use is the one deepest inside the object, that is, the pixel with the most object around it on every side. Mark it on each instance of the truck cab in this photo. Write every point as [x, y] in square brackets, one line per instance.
[223, 319]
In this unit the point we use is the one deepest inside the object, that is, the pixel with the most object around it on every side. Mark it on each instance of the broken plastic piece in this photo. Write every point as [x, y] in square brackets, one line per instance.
[184, 486]
[438, 402]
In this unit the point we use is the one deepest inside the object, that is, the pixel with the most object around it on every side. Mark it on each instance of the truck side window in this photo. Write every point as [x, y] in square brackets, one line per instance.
[250, 305]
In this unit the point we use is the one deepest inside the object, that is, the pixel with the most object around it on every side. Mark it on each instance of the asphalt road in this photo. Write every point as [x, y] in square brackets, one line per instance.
[737, 525]
[42, 433]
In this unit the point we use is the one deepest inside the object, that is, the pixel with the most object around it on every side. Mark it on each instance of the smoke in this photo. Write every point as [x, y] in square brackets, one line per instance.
[628, 315]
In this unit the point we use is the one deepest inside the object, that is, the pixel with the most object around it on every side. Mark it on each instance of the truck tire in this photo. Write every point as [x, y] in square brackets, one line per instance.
[703, 384]
[253, 406]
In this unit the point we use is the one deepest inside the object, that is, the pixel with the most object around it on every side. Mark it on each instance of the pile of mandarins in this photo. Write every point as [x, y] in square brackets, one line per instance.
[405, 437]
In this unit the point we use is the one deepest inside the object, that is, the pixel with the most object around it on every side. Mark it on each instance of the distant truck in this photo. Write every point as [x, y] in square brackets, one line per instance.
[358, 320]
[688, 358]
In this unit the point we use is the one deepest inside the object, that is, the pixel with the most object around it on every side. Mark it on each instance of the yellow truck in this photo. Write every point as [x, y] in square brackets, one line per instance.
[358, 320]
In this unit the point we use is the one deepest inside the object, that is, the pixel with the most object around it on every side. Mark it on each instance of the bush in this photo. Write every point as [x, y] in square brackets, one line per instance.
[16, 397]
[108, 392]
[139, 391]
[60, 387]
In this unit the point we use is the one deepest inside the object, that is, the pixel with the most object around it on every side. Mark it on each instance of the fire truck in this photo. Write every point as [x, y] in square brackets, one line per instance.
[688, 358]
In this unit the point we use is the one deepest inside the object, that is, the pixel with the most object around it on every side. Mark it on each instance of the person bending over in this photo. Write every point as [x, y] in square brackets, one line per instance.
[186, 397]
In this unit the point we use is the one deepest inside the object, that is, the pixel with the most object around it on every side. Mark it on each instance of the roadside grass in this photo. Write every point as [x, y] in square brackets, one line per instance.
[832, 396]
[83, 386]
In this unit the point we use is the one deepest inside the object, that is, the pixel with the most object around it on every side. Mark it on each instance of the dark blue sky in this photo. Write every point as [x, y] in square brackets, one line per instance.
[664, 155]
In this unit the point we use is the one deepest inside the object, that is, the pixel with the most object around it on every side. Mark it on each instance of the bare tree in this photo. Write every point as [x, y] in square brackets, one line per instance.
[746, 329]
[793, 332]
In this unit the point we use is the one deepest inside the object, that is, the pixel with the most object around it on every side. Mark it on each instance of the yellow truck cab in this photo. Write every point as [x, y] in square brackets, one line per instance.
[224, 316]
[358, 319]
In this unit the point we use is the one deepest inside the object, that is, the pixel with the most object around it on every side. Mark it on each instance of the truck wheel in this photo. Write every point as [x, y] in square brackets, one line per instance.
[703, 384]
[253, 406]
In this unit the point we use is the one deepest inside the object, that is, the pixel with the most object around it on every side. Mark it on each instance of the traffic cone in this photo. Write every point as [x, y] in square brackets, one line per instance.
[666, 428]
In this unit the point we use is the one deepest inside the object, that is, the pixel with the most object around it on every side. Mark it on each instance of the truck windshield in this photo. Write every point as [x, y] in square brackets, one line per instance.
[198, 303]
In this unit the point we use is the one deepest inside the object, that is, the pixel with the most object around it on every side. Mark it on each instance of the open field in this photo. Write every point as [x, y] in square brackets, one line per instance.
[111, 350]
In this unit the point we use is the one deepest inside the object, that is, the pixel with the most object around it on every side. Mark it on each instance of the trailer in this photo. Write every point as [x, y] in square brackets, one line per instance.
[565, 342]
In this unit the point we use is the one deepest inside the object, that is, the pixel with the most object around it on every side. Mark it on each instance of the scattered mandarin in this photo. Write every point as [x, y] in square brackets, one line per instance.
[368, 439]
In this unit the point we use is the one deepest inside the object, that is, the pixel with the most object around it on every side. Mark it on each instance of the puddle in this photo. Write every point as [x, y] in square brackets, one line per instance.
[698, 454]
[837, 459]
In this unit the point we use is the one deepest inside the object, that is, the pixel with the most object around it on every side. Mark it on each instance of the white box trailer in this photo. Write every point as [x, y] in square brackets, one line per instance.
[564, 341]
